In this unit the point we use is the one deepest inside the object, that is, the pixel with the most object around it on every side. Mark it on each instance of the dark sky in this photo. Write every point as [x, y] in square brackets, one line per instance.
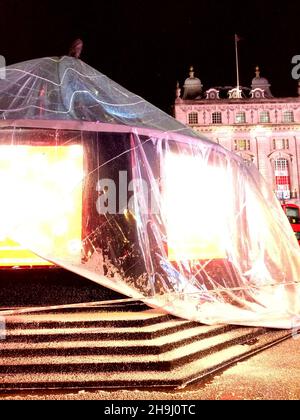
[147, 45]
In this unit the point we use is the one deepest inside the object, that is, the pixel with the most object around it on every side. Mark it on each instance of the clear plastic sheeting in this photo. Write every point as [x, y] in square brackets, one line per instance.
[138, 203]
[67, 89]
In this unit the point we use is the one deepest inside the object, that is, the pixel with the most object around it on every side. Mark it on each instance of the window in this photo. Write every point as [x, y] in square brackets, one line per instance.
[282, 179]
[193, 118]
[264, 117]
[288, 117]
[281, 144]
[240, 118]
[42, 172]
[217, 118]
[194, 231]
[293, 214]
[242, 144]
[247, 161]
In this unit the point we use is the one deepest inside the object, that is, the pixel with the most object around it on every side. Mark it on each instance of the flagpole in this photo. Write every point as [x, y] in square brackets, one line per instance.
[237, 62]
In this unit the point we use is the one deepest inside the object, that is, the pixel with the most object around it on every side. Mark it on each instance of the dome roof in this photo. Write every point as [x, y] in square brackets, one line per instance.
[70, 91]
[193, 82]
[261, 83]
[192, 86]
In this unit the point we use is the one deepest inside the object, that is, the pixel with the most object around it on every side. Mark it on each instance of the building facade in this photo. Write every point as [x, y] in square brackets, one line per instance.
[252, 123]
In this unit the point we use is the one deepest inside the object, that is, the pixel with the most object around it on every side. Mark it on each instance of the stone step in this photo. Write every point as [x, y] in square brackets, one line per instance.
[130, 363]
[117, 346]
[147, 332]
[119, 306]
[180, 376]
[87, 319]
[68, 348]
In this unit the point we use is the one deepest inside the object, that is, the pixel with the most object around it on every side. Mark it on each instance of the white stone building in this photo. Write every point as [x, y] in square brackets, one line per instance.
[251, 122]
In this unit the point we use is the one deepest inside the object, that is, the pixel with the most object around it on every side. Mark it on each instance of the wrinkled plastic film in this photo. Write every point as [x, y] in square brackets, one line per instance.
[68, 90]
[184, 226]
[98, 181]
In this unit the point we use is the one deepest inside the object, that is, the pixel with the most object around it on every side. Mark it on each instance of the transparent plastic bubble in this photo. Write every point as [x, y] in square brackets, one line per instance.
[98, 181]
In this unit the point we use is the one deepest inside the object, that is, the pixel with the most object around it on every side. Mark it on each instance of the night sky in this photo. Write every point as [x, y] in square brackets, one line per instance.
[147, 45]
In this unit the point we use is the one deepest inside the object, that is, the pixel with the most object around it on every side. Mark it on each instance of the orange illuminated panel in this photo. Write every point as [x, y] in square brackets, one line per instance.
[193, 209]
[41, 195]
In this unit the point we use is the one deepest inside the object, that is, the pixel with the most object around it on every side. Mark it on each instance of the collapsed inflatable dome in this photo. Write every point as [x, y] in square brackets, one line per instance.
[98, 181]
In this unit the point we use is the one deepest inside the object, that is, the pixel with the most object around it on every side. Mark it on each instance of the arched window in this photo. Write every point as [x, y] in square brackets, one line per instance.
[282, 179]
[193, 118]
[216, 118]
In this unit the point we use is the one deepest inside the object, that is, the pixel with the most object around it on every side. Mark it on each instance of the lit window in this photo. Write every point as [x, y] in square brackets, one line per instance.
[242, 144]
[288, 117]
[264, 117]
[49, 180]
[217, 118]
[282, 179]
[240, 118]
[193, 118]
[195, 231]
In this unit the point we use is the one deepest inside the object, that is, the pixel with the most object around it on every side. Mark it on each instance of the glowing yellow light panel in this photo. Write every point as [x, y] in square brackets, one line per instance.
[193, 208]
[41, 195]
